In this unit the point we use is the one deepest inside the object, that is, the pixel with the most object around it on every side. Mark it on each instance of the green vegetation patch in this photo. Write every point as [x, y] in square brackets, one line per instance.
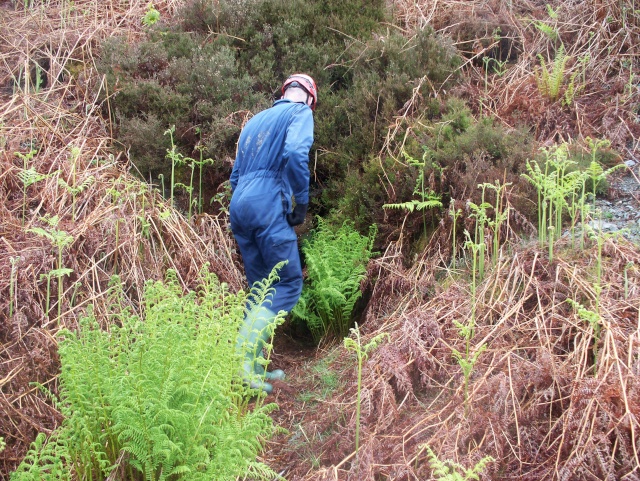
[336, 261]
[453, 153]
[157, 397]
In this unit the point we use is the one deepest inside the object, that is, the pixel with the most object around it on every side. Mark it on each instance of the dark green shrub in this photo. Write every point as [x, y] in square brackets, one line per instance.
[169, 79]
[459, 152]
[465, 152]
[222, 61]
[146, 142]
[365, 190]
[149, 97]
[384, 71]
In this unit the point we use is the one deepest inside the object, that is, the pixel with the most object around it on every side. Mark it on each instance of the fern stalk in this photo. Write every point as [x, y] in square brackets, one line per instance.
[13, 291]
[354, 344]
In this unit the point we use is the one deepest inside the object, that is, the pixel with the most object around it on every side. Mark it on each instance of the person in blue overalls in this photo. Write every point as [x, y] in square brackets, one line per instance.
[271, 170]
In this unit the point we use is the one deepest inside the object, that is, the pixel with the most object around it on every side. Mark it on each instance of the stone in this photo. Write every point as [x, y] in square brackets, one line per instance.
[603, 226]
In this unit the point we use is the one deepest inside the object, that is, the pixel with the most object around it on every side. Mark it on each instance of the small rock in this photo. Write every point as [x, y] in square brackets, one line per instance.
[603, 226]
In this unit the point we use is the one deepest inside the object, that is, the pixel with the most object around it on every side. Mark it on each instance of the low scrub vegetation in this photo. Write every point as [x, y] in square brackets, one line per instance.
[207, 85]
[154, 397]
[495, 326]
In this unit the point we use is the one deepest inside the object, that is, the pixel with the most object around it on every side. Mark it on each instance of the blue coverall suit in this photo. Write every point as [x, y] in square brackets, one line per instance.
[271, 166]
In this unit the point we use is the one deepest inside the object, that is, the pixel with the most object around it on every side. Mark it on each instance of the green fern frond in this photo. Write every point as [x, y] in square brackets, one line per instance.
[571, 90]
[550, 80]
[260, 471]
[30, 176]
[147, 387]
[336, 261]
[547, 30]
[46, 460]
[77, 188]
[451, 471]
[428, 204]
[408, 206]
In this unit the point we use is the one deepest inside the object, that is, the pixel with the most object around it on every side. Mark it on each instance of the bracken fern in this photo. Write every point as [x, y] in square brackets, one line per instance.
[44, 462]
[158, 397]
[551, 78]
[336, 264]
[451, 471]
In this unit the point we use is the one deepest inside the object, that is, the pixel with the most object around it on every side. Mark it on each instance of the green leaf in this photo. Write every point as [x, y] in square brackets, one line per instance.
[65, 271]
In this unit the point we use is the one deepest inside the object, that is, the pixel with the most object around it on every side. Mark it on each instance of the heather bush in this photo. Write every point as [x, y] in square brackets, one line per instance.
[458, 153]
[465, 152]
[384, 73]
[172, 80]
[363, 192]
[207, 84]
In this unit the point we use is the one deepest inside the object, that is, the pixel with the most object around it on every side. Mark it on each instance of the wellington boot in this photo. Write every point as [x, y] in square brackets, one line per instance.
[253, 379]
[255, 331]
[275, 375]
[262, 386]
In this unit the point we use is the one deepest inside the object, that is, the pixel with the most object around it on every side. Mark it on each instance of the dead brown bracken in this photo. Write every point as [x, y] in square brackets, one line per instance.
[535, 403]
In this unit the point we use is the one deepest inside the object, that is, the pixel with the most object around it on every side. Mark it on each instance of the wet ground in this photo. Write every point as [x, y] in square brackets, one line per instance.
[620, 208]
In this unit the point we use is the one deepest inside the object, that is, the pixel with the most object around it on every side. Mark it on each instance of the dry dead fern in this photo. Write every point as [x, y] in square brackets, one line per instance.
[536, 403]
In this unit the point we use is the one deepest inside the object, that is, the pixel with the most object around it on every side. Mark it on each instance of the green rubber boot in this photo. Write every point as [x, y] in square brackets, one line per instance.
[254, 333]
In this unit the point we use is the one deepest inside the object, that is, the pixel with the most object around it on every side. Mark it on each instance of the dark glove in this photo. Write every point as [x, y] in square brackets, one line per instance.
[297, 216]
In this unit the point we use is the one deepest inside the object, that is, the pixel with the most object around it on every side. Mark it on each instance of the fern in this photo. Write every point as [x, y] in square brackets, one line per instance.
[44, 461]
[162, 389]
[260, 471]
[451, 471]
[595, 172]
[428, 199]
[550, 80]
[547, 29]
[31, 176]
[336, 265]
[77, 188]
[432, 202]
[571, 90]
[28, 177]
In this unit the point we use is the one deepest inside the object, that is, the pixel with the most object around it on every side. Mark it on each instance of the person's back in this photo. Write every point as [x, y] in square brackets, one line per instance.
[272, 165]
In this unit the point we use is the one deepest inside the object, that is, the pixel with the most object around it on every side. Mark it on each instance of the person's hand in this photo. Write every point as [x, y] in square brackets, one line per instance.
[297, 216]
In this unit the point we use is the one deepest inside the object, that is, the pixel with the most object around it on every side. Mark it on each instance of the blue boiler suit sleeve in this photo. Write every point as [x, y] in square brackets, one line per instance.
[234, 176]
[296, 154]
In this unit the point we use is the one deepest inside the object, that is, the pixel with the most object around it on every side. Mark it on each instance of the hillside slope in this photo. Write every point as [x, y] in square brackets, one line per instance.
[551, 388]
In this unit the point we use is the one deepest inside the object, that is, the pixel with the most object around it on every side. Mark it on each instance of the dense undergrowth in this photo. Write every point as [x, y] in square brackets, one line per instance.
[155, 397]
[537, 400]
[505, 339]
[215, 64]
